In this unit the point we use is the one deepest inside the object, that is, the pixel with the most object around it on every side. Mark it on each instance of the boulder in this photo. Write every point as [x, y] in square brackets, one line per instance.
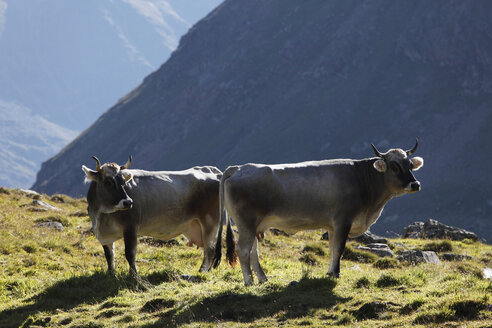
[455, 257]
[51, 225]
[278, 232]
[366, 238]
[416, 256]
[414, 230]
[41, 204]
[487, 273]
[379, 249]
[433, 229]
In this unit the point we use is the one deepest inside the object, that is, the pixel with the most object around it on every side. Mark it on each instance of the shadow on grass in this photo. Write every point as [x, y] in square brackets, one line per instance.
[70, 293]
[281, 303]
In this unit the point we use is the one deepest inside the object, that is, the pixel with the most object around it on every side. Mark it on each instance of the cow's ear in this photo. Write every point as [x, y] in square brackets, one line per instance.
[380, 165]
[417, 163]
[127, 175]
[91, 175]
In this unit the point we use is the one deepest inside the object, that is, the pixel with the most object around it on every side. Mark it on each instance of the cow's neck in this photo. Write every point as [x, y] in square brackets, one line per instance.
[375, 193]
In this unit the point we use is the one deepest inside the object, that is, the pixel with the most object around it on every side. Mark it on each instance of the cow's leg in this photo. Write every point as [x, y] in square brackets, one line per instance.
[244, 247]
[337, 245]
[255, 262]
[209, 227]
[130, 237]
[109, 254]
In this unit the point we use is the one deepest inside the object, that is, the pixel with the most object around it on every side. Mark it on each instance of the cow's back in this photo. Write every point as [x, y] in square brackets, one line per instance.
[293, 188]
[170, 197]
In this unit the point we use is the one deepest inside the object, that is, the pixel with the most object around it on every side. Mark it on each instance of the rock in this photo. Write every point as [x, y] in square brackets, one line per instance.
[278, 232]
[190, 278]
[158, 242]
[369, 238]
[455, 257]
[29, 192]
[57, 199]
[414, 230]
[379, 249]
[366, 238]
[433, 229]
[40, 203]
[487, 273]
[416, 257]
[52, 225]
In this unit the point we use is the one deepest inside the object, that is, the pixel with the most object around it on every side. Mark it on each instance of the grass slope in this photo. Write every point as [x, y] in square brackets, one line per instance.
[53, 278]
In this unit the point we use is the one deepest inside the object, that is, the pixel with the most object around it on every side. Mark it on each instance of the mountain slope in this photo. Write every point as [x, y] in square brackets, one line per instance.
[26, 140]
[65, 62]
[274, 81]
[69, 61]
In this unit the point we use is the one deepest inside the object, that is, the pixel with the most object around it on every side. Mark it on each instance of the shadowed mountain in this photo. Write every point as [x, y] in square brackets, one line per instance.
[276, 81]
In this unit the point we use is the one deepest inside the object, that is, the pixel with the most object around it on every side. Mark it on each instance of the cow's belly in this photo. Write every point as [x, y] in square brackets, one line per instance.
[167, 230]
[291, 225]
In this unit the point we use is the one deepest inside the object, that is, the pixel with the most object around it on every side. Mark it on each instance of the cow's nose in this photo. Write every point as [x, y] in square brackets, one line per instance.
[415, 186]
[128, 203]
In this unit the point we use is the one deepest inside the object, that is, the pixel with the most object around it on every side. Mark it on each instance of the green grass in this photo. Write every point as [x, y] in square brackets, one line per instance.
[52, 278]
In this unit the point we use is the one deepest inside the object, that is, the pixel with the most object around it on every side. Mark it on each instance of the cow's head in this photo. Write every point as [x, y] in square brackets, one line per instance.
[110, 180]
[398, 167]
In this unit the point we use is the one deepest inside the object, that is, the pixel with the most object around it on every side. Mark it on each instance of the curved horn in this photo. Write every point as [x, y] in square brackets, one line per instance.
[98, 164]
[376, 151]
[411, 151]
[127, 165]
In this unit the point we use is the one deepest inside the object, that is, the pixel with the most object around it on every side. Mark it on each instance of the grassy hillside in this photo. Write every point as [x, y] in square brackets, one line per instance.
[54, 278]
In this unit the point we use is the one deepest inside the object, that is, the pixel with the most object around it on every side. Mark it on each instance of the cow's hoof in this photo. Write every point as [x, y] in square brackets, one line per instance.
[262, 280]
[248, 283]
[334, 274]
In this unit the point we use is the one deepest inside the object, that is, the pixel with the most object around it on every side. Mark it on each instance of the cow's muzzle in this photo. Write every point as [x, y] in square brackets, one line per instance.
[413, 186]
[124, 204]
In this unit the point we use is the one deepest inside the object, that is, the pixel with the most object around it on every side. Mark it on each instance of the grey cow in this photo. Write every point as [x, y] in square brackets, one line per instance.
[162, 204]
[344, 196]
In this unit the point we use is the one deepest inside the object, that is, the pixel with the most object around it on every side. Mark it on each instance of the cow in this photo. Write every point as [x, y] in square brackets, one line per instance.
[125, 203]
[344, 196]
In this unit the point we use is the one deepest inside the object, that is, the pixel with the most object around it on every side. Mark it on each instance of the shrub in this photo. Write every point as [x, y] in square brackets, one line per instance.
[309, 259]
[387, 281]
[318, 250]
[362, 283]
[358, 256]
[439, 247]
[386, 263]
[411, 307]
[468, 309]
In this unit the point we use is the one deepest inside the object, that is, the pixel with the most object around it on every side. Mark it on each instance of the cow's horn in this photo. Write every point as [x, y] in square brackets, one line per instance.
[98, 164]
[127, 165]
[376, 151]
[411, 151]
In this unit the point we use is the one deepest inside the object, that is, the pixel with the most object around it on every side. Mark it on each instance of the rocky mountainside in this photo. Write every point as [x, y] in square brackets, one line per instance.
[278, 81]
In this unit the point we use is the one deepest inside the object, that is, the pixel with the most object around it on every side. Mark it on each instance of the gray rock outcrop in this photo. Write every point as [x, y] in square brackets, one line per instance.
[433, 229]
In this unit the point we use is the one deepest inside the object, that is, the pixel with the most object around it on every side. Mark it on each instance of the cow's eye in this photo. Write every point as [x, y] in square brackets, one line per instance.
[395, 168]
[109, 183]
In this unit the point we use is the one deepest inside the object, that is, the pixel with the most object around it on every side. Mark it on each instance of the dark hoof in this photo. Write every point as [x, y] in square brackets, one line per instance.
[334, 274]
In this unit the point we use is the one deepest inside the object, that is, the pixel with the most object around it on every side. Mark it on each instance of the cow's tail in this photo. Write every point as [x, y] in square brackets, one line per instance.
[231, 241]
[218, 244]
